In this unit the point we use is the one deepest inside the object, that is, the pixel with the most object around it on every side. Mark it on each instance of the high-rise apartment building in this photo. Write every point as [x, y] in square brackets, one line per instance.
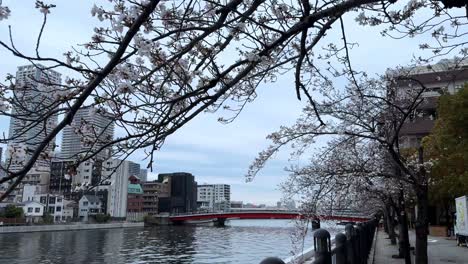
[34, 99]
[62, 174]
[88, 132]
[143, 175]
[116, 173]
[134, 169]
[214, 197]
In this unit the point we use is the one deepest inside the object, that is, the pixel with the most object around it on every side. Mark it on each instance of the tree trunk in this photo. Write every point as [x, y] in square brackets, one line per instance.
[385, 218]
[391, 226]
[422, 226]
[404, 238]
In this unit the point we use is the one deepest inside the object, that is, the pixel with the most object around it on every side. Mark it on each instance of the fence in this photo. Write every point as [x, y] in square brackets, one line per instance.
[353, 247]
[12, 221]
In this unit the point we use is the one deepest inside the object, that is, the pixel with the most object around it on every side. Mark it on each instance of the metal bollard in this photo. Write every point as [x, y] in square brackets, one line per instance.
[322, 247]
[272, 260]
[350, 236]
[362, 244]
[315, 224]
[340, 249]
[357, 244]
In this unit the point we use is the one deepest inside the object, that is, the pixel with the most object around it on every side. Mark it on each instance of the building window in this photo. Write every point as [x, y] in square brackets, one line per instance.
[30, 209]
[37, 210]
[58, 209]
[85, 203]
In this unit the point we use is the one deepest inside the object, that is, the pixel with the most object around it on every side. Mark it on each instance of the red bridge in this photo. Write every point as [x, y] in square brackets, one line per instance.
[221, 217]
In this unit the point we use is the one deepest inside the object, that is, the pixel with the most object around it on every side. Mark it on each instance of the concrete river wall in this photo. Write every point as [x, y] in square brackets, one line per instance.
[69, 227]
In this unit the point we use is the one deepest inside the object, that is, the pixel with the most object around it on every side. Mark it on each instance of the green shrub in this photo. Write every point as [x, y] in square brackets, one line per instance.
[47, 218]
[102, 218]
[12, 211]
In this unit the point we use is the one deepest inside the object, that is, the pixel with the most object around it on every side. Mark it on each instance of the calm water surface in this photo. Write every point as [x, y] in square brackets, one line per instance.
[242, 241]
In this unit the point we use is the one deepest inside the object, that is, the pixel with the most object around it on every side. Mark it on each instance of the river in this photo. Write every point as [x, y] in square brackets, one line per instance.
[241, 241]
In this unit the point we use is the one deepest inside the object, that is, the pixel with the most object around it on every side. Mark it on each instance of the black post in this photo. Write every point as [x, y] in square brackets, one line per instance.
[357, 244]
[322, 247]
[350, 235]
[272, 260]
[340, 248]
[315, 224]
[362, 244]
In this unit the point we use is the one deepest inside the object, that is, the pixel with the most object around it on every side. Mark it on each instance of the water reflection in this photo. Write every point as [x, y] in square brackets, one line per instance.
[240, 242]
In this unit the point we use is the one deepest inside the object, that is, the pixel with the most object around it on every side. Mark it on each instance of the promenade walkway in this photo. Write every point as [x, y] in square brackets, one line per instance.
[440, 250]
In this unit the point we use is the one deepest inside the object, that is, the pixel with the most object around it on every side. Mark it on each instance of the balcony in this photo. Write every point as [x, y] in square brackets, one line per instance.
[419, 127]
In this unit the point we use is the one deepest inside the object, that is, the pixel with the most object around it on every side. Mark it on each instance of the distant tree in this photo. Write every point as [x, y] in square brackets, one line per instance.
[47, 218]
[12, 211]
[447, 146]
[102, 218]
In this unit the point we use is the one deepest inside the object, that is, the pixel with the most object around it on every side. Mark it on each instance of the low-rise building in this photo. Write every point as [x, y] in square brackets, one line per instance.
[33, 211]
[53, 205]
[237, 204]
[70, 210]
[89, 206]
[135, 202]
[152, 191]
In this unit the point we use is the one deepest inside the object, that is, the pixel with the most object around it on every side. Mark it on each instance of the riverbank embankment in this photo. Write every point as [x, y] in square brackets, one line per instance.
[67, 227]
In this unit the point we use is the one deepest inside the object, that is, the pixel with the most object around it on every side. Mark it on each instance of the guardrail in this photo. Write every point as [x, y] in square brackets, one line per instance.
[352, 247]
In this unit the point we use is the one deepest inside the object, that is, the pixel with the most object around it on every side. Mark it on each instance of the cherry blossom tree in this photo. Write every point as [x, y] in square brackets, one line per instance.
[154, 65]
[363, 125]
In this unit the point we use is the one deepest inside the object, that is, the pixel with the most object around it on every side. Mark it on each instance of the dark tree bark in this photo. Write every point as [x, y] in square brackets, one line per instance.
[422, 226]
[403, 229]
[391, 226]
[422, 223]
[385, 218]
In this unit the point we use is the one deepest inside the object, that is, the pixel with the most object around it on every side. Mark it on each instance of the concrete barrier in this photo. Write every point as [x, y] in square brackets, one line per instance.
[69, 227]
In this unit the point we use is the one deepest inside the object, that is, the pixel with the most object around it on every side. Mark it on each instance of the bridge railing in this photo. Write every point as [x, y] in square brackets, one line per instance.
[352, 247]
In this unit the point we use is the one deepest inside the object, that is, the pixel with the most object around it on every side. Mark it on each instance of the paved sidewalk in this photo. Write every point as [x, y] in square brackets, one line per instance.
[440, 250]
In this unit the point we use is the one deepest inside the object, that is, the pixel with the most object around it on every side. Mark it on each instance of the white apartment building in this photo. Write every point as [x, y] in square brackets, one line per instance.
[54, 205]
[87, 123]
[116, 173]
[214, 197]
[33, 211]
[34, 98]
[89, 205]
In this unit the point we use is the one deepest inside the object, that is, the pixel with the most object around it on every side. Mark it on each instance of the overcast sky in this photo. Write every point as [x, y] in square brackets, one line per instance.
[213, 152]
